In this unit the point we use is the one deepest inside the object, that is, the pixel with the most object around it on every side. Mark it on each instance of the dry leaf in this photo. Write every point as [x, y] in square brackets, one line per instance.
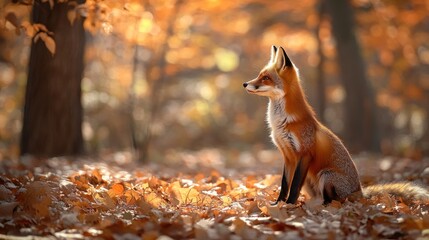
[38, 27]
[29, 29]
[5, 194]
[37, 198]
[184, 195]
[9, 26]
[71, 16]
[7, 209]
[104, 199]
[12, 20]
[132, 196]
[117, 189]
[50, 45]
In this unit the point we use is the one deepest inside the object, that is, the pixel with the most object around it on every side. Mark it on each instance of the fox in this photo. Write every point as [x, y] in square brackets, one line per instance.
[315, 159]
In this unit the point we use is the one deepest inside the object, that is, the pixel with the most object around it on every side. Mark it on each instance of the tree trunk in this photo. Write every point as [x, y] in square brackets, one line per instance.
[360, 127]
[53, 109]
[321, 84]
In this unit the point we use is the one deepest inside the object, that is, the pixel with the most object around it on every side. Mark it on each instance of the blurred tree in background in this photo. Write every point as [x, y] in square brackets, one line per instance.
[162, 76]
[360, 130]
[53, 113]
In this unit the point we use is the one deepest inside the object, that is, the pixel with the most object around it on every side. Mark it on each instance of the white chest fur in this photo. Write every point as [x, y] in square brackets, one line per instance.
[278, 119]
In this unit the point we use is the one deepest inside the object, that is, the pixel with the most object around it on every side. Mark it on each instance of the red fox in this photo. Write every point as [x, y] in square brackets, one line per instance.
[314, 157]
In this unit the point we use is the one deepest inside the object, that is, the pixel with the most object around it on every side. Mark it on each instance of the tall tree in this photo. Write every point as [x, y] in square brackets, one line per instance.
[53, 109]
[321, 84]
[360, 126]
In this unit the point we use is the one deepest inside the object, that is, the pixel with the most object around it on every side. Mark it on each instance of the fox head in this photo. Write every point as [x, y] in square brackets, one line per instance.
[275, 78]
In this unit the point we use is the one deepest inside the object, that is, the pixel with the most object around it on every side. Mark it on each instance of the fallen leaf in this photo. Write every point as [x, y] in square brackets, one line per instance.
[5, 194]
[117, 189]
[71, 16]
[7, 209]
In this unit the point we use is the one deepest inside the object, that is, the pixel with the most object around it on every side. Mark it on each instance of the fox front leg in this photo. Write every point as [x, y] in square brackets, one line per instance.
[298, 179]
[283, 189]
[287, 177]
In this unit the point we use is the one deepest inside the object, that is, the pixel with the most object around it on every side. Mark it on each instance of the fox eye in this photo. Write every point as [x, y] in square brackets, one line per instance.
[266, 78]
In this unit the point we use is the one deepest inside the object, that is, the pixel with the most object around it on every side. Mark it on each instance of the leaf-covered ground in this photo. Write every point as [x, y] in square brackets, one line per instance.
[200, 195]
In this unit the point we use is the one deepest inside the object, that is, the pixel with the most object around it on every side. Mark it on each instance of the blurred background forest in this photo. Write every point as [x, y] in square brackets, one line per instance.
[166, 76]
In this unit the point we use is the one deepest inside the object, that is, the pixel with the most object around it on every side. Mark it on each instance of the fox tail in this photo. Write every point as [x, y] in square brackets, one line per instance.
[408, 191]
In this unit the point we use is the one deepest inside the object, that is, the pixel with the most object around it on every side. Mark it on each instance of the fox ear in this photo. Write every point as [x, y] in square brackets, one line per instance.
[273, 53]
[288, 62]
[282, 60]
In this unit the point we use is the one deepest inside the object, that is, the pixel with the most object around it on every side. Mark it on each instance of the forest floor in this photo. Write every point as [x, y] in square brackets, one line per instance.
[201, 195]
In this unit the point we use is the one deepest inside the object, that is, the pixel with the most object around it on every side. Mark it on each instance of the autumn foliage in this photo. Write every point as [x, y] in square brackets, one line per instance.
[115, 199]
[166, 76]
[190, 57]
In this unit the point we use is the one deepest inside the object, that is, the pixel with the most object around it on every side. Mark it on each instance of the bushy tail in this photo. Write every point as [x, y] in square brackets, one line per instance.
[408, 191]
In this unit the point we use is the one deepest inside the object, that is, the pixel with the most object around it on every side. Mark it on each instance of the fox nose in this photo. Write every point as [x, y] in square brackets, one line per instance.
[245, 84]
